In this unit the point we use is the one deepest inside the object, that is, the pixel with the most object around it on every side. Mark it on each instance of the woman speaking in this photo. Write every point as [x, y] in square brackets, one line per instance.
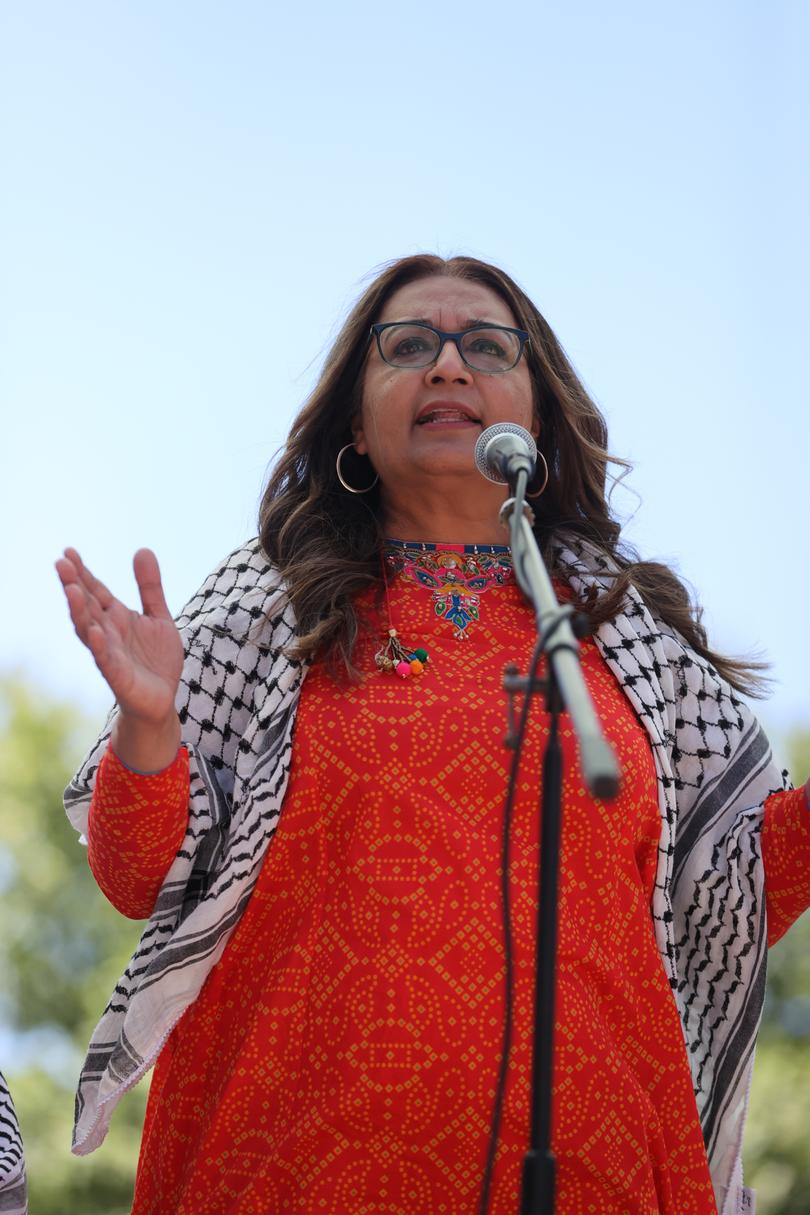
[302, 790]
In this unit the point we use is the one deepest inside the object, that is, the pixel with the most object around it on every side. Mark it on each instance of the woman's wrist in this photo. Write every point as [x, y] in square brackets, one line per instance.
[146, 747]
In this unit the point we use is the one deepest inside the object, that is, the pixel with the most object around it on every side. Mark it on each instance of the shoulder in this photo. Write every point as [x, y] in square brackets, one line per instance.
[591, 572]
[237, 631]
[653, 662]
[584, 565]
[243, 597]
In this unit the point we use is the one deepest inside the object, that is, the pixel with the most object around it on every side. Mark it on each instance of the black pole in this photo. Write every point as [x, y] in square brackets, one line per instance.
[537, 1192]
[565, 689]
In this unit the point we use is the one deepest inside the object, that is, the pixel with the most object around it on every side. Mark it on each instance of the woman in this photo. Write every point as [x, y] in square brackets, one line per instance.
[326, 1013]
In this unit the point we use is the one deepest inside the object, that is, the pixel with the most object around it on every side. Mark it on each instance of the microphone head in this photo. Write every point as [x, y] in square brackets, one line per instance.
[489, 446]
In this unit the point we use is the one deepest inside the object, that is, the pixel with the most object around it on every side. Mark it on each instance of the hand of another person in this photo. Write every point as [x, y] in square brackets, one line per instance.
[140, 654]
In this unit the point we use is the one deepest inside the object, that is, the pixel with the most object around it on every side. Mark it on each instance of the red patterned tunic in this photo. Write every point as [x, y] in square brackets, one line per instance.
[342, 1055]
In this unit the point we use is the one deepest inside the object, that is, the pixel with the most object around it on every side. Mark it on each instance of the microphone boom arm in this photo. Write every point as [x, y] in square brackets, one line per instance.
[599, 765]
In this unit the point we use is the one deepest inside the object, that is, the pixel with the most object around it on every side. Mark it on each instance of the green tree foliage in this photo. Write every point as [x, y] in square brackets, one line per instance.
[62, 1184]
[777, 1145]
[62, 949]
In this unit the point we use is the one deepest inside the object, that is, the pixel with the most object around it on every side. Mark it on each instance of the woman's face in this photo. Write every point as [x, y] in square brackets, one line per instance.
[418, 423]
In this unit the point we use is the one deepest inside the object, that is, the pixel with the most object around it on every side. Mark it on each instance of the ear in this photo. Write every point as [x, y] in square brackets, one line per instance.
[534, 429]
[359, 436]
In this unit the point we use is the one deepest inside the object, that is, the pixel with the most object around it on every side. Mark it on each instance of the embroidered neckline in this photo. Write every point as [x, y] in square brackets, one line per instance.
[455, 574]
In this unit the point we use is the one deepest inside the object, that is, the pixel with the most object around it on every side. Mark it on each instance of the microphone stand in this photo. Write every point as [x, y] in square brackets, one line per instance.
[564, 688]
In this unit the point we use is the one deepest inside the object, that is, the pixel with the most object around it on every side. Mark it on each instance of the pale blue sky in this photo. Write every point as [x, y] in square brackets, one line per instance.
[192, 193]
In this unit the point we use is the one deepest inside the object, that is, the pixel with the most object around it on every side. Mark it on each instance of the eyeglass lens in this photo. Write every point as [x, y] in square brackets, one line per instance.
[418, 346]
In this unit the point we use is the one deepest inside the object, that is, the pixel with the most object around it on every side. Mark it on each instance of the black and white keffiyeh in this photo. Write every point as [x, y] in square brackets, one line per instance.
[715, 772]
[237, 703]
[13, 1189]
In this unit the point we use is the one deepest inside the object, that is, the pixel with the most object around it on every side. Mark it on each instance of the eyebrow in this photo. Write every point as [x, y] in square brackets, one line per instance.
[471, 323]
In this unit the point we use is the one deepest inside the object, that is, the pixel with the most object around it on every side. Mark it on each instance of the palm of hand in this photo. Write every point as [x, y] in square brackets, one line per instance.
[143, 661]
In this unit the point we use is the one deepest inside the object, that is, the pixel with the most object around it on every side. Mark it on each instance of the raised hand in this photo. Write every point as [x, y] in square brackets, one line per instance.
[140, 654]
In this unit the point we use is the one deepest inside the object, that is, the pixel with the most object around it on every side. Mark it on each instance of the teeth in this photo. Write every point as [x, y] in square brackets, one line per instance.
[451, 414]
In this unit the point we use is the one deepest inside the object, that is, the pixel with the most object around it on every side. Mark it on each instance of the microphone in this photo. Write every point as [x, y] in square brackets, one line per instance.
[503, 450]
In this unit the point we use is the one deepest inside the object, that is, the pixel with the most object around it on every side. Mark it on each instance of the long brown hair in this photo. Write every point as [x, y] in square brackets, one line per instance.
[326, 541]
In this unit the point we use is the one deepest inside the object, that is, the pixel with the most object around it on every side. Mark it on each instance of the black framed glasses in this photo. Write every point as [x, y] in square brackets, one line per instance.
[489, 348]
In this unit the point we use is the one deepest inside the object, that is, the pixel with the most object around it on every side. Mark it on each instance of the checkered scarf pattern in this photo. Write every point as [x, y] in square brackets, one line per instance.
[237, 704]
[13, 1189]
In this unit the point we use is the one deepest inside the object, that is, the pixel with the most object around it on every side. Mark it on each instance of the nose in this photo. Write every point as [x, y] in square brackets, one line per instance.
[448, 366]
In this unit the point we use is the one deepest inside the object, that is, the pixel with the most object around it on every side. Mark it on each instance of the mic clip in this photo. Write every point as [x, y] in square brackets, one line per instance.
[506, 511]
[514, 683]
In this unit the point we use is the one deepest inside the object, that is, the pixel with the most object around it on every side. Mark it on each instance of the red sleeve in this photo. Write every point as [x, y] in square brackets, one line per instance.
[135, 827]
[786, 857]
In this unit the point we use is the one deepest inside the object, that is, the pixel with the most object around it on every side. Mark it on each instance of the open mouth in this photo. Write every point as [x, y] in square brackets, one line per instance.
[436, 417]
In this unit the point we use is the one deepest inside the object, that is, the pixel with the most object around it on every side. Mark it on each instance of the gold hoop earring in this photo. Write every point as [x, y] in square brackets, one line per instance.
[542, 488]
[343, 480]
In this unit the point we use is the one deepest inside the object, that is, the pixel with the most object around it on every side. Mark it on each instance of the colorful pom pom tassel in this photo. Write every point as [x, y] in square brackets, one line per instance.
[393, 657]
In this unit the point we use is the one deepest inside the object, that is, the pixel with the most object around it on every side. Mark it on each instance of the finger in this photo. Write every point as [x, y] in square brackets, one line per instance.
[77, 605]
[83, 606]
[94, 627]
[66, 571]
[84, 611]
[70, 568]
[147, 575]
[70, 560]
[97, 644]
[94, 586]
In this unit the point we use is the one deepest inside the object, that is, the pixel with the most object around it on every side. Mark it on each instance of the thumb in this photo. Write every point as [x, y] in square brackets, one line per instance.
[147, 576]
